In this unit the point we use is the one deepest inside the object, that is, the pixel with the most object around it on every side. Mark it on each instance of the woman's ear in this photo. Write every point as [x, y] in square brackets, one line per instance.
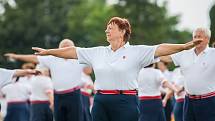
[123, 31]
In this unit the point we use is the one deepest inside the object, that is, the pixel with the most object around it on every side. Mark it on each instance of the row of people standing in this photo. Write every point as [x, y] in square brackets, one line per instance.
[29, 97]
[41, 97]
[148, 92]
[18, 92]
[116, 68]
[66, 75]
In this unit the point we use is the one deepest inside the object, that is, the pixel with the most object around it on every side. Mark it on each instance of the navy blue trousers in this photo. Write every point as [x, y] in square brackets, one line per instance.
[68, 107]
[168, 108]
[17, 112]
[41, 112]
[199, 109]
[152, 110]
[178, 111]
[86, 108]
[115, 108]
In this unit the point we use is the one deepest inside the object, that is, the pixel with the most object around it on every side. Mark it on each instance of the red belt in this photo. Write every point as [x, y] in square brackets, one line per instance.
[149, 97]
[211, 94]
[180, 100]
[85, 93]
[67, 91]
[40, 102]
[116, 92]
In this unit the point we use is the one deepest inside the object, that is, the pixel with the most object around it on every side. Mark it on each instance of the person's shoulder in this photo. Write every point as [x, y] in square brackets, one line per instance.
[94, 48]
[185, 52]
[211, 50]
[46, 57]
[142, 47]
[138, 46]
[157, 71]
[42, 78]
[143, 70]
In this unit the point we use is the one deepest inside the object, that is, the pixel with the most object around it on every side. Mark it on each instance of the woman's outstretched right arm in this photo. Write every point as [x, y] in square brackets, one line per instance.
[67, 52]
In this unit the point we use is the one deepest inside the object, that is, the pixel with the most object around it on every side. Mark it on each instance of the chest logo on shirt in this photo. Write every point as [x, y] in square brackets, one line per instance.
[123, 57]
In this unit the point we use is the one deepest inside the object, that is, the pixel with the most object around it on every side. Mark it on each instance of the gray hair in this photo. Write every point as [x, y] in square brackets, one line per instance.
[66, 41]
[206, 31]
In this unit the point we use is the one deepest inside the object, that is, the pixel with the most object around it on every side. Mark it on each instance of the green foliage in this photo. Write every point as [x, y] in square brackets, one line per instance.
[212, 26]
[33, 23]
[151, 23]
[44, 23]
[87, 22]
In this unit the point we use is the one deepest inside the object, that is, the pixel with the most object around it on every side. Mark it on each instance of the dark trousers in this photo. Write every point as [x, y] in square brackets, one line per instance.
[41, 112]
[178, 111]
[199, 109]
[17, 112]
[168, 109]
[68, 107]
[86, 108]
[152, 110]
[115, 108]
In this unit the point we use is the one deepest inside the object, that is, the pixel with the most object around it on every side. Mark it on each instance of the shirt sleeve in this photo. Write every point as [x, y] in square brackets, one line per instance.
[88, 55]
[6, 76]
[146, 55]
[49, 85]
[176, 58]
[45, 61]
[4, 90]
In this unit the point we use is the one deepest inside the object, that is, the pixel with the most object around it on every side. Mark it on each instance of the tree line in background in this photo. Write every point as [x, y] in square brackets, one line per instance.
[45, 23]
[212, 25]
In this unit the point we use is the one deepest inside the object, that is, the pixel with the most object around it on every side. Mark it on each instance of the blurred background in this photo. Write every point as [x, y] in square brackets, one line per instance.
[44, 23]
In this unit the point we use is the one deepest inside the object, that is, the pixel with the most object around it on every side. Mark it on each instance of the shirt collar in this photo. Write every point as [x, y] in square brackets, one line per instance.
[126, 45]
[204, 51]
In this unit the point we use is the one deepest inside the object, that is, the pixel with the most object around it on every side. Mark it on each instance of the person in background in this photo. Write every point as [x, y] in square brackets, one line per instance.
[178, 81]
[168, 107]
[41, 99]
[149, 82]
[86, 92]
[8, 75]
[17, 95]
[198, 67]
[66, 77]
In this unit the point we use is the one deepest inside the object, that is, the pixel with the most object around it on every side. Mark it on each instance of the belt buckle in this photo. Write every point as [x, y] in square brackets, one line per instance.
[196, 96]
[120, 92]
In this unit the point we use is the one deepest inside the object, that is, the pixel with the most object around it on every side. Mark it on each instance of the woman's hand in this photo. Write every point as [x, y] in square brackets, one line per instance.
[40, 51]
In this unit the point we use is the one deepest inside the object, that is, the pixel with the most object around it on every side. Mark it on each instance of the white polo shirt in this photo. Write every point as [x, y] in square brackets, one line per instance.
[87, 80]
[168, 75]
[65, 73]
[6, 76]
[178, 79]
[40, 85]
[117, 70]
[26, 80]
[16, 92]
[197, 70]
[149, 81]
